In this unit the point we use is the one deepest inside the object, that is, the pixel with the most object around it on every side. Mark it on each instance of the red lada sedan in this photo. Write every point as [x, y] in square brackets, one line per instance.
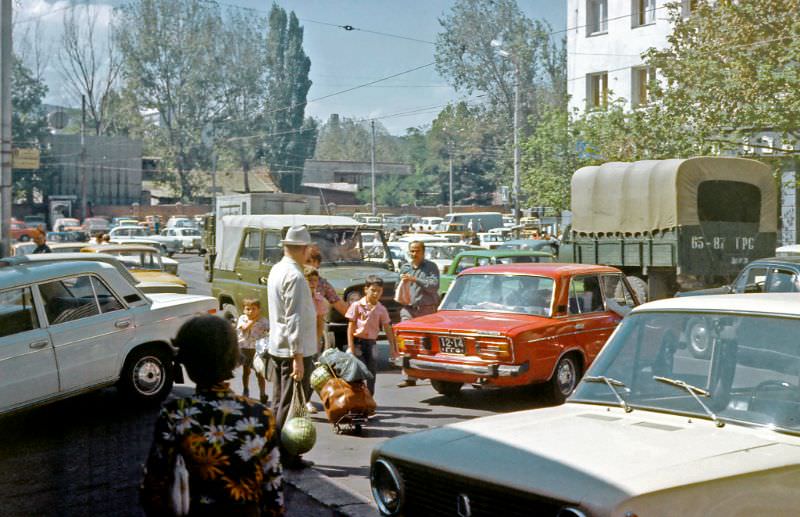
[516, 324]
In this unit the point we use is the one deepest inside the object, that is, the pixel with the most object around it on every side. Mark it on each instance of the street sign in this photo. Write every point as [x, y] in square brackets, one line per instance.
[24, 158]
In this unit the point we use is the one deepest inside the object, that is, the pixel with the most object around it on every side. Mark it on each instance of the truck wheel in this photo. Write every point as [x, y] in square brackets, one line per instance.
[448, 389]
[147, 375]
[565, 378]
[639, 287]
[230, 313]
[699, 336]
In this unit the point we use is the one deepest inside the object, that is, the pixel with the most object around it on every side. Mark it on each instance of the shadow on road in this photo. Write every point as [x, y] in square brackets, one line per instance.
[499, 400]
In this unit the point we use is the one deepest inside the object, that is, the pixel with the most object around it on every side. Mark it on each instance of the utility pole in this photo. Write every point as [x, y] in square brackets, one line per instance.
[5, 126]
[372, 158]
[517, 214]
[82, 157]
[451, 179]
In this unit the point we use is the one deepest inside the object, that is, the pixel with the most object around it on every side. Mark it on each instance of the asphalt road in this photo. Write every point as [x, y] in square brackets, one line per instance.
[83, 456]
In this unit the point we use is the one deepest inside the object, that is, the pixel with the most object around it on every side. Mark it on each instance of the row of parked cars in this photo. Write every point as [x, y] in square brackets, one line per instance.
[687, 406]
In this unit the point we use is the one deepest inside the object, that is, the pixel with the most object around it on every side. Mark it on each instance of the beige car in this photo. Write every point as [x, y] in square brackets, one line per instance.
[651, 429]
[145, 264]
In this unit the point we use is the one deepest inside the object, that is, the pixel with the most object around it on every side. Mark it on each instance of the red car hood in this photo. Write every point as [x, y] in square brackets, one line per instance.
[490, 322]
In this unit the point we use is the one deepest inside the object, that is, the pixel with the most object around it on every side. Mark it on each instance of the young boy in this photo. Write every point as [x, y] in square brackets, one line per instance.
[251, 327]
[367, 316]
[320, 305]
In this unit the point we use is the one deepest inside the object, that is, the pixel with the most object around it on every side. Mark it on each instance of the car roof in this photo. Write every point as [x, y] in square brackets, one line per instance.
[20, 272]
[777, 260]
[503, 253]
[108, 248]
[541, 268]
[757, 303]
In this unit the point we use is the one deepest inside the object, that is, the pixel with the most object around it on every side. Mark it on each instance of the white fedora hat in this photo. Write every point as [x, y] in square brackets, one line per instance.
[297, 236]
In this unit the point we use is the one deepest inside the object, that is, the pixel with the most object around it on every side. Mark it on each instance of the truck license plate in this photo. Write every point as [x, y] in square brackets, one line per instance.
[451, 345]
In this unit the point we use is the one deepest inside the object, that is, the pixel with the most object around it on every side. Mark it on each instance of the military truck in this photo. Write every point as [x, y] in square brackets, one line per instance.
[249, 245]
[671, 225]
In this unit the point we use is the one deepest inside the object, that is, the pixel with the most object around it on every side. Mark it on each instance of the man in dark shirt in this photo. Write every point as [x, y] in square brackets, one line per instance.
[424, 277]
[41, 243]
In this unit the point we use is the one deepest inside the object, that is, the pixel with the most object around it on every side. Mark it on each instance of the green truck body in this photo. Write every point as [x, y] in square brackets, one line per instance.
[673, 224]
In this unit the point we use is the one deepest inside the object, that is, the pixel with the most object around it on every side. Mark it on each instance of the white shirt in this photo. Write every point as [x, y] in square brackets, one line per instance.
[292, 317]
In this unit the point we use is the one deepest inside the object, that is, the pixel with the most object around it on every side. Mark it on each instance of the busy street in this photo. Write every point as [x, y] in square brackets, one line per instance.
[418, 258]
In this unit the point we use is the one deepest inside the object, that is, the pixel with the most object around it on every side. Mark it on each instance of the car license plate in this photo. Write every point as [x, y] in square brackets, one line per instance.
[451, 345]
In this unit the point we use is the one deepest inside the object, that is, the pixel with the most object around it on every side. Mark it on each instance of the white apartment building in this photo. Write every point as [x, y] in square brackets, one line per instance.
[605, 41]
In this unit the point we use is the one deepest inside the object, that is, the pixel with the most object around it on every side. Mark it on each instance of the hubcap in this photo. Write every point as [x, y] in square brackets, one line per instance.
[148, 375]
[566, 377]
[699, 336]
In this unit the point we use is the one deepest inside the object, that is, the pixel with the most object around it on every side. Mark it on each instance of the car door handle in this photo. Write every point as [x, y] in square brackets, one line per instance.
[122, 324]
[38, 344]
[262, 280]
[579, 326]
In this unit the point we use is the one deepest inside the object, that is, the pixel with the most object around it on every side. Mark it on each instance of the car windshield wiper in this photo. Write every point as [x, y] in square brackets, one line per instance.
[612, 384]
[694, 391]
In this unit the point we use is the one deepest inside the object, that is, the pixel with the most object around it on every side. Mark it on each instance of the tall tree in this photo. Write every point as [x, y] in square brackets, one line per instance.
[171, 63]
[465, 55]
[289, 136]
[245, 94]
[89, 62]
[29, 129]
[732, 68]
[343, 138]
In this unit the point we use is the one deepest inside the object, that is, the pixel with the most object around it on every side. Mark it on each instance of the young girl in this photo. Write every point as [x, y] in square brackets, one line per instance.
[321, 306]
[367, 316]
[251, 327]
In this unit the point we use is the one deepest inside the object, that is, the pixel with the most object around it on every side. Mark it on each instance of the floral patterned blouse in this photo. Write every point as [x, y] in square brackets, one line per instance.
[230, 447]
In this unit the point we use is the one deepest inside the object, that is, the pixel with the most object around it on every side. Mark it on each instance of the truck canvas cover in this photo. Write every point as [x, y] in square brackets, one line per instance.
[229, 233]
[619, 198]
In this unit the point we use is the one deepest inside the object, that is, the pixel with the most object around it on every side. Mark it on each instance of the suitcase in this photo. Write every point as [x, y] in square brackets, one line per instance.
[347, 405]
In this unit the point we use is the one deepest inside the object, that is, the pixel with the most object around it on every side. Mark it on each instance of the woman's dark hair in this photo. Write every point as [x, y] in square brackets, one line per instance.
[373, 280]
[208, 348]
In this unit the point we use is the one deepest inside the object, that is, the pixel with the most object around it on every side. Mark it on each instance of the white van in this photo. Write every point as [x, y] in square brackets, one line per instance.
[472, 221]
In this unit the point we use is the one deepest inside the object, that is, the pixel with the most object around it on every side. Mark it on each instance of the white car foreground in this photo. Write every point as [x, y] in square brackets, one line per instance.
[67, 327]
[650, 430]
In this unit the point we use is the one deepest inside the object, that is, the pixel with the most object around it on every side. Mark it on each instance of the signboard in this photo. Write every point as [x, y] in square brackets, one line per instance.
[24, 158]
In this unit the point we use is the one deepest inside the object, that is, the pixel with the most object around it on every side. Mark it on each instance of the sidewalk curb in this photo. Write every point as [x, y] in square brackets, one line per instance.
[327, 492]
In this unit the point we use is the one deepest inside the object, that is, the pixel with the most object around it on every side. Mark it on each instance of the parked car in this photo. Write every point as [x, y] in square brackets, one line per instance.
[530, 244]
[96, 225]
[181, 221]
[68, 236]
[62, 223]
[650, 430]
[249, 245]
[35, 221]
[768, 275]
[484, 257]
[26, 248]
[190, 238]
[443, 253]
[516, 324]
[145, 264]
[427, 224]
[170, 245]
[70, 326]
[20, 232]
[490, 241]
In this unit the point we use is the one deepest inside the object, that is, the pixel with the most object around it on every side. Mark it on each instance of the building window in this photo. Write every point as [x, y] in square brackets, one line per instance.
[596, 17]
[597, 90]
[641, 79]
[643, 12]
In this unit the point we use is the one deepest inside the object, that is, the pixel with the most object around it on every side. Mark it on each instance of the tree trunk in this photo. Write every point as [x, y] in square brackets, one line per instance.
[246, 172]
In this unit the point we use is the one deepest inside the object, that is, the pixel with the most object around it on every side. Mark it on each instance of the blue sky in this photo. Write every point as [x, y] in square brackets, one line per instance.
[342, 59]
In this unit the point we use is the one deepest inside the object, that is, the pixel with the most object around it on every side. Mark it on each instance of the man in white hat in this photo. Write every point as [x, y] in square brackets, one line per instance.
[293, 327]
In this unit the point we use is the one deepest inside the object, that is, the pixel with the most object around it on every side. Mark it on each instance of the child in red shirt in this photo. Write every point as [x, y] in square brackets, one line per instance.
[367, 316]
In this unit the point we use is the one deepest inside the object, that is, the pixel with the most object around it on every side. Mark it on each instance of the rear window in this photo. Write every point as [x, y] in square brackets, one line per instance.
[728, 202]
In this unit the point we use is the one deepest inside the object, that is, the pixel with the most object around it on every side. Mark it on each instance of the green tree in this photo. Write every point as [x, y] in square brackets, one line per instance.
[343, 138]
[732, 68]
[289, 136]
[171, 63]
[29, 129]
[465, 55]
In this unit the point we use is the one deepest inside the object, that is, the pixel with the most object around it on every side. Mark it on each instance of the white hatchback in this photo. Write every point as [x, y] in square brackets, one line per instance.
[67, 327]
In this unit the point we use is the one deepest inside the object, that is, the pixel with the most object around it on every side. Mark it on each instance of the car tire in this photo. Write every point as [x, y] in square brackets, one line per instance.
[230, 313]
[448, 389]
[24, 238]
[147, 375]
[699, 337]
[565, 378]
[639, 287]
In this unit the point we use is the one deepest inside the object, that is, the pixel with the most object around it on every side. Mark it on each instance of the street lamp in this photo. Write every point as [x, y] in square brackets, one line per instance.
[498, 46]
